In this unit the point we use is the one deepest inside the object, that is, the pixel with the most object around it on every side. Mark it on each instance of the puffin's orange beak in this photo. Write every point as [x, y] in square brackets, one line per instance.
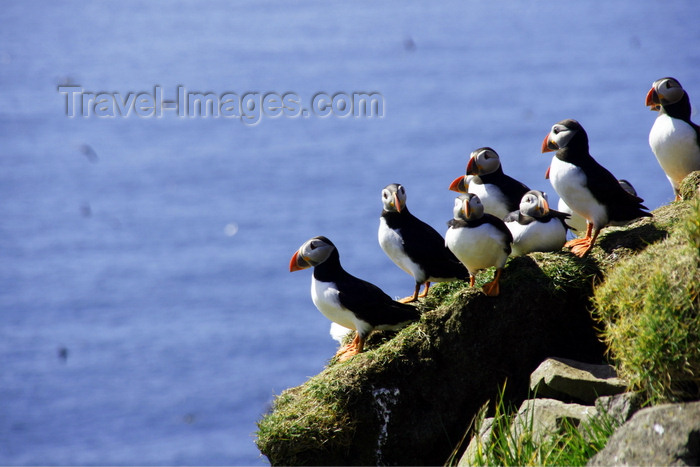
[472, 168]
[397, 204]
[652, 99]
[548, 145]
[297, 263]
[544, 207]
[466, 208]
[459, 184]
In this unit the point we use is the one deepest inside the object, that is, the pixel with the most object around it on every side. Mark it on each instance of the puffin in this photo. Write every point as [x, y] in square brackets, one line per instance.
[536, 227]
[587, 187]
[415, 246]
[346, 300]
[674, 139]
[578, 223]
[478, 239]
[499, 193]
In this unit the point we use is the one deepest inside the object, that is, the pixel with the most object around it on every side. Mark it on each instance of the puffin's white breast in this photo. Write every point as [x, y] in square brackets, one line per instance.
[477, 247]
[325, 296]
[491, 197]
[392, 244]
[569, 181]
[537, 236]
[675, 146]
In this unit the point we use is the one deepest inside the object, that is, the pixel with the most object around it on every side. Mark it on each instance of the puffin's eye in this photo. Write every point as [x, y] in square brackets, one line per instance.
[385, 195]
[555, 130]
[312, 246]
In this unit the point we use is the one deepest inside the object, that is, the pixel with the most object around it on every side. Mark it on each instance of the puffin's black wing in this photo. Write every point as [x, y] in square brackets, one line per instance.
[424, 245]
[369, 303]
[558, 214]
[510, 187]
[499, 224]
[621, 205]
[561, 216]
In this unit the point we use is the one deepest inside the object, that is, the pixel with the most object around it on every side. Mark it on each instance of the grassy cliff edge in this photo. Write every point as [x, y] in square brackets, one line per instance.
[428, 381]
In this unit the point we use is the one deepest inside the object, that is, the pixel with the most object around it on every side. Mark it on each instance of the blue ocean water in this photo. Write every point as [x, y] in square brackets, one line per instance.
[147, 315]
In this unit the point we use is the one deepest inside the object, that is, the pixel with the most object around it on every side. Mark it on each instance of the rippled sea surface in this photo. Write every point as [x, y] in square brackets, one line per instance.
[147, 315]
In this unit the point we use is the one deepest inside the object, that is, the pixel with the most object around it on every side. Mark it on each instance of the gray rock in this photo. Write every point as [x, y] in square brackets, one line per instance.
[663, 435]
[620, 407]
[560, 378]
[469, 456]
[538, 418]
[544, 417]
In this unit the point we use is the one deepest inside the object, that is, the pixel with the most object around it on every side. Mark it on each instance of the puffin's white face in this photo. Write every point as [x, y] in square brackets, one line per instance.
[468, 207]
[457, 208]
[483, 161]
[312, 253]
[668, 90]
[560, 136]
[394, 197]
[534, 204]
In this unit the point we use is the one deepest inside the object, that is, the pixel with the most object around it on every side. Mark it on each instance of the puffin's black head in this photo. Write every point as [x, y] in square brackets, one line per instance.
[566, 134]
[312, 253]
[664, 91]
[394, 197]
[468, 207]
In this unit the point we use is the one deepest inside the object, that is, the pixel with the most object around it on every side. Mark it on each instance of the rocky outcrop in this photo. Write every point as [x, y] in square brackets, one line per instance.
[662, 435]
[409, 397]
[555, 383]
[620, 407]
[543, 417]
[563, 379]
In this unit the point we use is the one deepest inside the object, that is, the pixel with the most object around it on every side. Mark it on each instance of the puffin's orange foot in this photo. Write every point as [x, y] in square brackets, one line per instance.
[425, 290]
[344, 349]
[415, 295]
[576, 241]
[582, 249]
[410, 299]
[348, 354]
[491, 289]
[352, 346]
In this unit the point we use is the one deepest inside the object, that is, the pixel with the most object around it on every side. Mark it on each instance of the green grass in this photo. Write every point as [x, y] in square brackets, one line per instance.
[649, 308]
[511, 446]
[303, 419]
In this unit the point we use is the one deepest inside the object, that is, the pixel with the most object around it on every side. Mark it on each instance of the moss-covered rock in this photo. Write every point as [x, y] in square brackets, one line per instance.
[649, 307]
[409, 399]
